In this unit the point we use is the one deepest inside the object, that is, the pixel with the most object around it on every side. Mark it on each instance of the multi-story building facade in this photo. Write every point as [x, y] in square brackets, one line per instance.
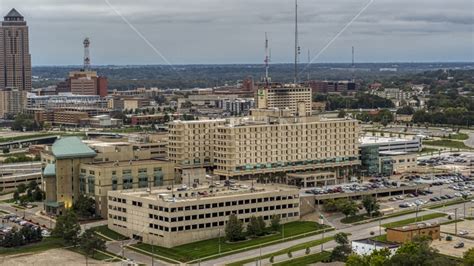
[87, 83]
[297, 99]
[266, 146]
[12, 101]
[72, 167]
[15, 58]
[170, 218]
[191, 143]
[282, 145]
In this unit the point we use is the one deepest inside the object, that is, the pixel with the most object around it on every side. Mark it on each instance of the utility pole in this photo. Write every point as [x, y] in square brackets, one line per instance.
[219, 241]
[152, 256]
[456, 221]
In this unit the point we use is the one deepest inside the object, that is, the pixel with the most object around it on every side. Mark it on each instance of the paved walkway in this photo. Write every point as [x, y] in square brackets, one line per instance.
[470, 141]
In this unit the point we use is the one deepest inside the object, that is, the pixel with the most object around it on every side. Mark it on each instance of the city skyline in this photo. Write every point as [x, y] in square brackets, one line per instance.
[212, 33]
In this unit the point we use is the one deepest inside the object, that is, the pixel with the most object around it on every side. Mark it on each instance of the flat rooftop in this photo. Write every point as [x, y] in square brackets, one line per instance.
[203, 192]
[417, 226]
[127, 163]
[383, 140]
[376, 243]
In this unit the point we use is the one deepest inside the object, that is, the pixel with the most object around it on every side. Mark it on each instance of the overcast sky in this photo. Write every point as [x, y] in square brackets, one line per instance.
[232, 31]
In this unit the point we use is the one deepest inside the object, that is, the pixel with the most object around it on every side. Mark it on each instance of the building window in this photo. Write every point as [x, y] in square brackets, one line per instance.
[91, 184]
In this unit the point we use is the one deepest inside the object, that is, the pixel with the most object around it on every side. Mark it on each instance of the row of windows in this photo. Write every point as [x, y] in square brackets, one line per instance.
[209, 225]
[118, 217]
[221, 204]
[115, 208]
[221, 214]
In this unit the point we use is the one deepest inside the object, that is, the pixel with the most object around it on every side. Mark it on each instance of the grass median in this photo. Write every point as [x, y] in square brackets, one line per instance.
[412, 220]
[452, 144]
[104, 230]
[210, 248]
[306, 260]
[294, 248]
[45, 244]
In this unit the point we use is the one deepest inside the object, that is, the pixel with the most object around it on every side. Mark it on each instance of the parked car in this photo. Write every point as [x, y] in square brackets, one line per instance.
[463, 233]
[459, 245]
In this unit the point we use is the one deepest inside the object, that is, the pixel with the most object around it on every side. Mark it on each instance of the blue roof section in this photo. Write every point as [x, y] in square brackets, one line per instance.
[71, 147]
[49, 170]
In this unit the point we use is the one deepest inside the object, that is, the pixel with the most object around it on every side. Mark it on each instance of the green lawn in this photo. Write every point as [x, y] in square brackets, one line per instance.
[47, 243]
[356, 218]
[428, 151]
[26, 137]
[459, 136]
[306, 260]
[412, 220]
[453, 144]
[294, 248]
[103, 229]
[382, 238]
[201, 249]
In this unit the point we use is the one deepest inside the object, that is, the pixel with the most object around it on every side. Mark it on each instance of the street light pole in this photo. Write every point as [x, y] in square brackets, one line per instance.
[153, 253]
[219, 241]
[456, 221]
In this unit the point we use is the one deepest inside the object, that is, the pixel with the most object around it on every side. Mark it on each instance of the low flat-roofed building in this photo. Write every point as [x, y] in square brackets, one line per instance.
[392, 144]
[402, 162]
[169, 218]
[406, 233]
[311, 179]
[14, 174]
[366, 246]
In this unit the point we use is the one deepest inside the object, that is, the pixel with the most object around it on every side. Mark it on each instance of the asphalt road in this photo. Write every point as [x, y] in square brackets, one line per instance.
[357, 231]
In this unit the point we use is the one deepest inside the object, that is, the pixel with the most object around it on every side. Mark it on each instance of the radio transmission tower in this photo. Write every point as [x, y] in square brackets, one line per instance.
[87, 59]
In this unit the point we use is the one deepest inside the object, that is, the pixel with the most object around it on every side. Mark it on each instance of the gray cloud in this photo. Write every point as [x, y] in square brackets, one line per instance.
[231, 31]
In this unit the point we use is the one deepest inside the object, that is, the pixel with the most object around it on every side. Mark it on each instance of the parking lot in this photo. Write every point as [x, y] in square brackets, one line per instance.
[10, 221]
[465, 236]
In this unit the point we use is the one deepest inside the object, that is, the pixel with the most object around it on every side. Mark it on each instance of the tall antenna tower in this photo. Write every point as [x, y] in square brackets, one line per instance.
[297, 48]
[309, 62]
[87, 59]
[267, 61]
[353, 65]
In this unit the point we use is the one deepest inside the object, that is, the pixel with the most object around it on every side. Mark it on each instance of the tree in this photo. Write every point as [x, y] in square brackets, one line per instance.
[32, 185]
[341, 114]
[341, 238]
[406, 110]
[261, 226]
[256, 226]
[234, 229]
[84, 206]
[90, 242]
[370, 204]
[343, 250]
[347, 207]
[330, 205]
[67, 227]
[468, 258]
[16, 195]
[275, 222]
[21, 188]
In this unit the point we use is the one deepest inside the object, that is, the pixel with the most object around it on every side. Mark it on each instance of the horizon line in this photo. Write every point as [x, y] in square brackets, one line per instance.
[321, 63]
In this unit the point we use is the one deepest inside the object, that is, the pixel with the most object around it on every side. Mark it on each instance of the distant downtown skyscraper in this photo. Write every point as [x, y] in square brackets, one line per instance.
[15, 58]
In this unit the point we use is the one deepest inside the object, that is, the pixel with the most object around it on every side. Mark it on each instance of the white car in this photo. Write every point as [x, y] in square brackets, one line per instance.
[463, 233]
